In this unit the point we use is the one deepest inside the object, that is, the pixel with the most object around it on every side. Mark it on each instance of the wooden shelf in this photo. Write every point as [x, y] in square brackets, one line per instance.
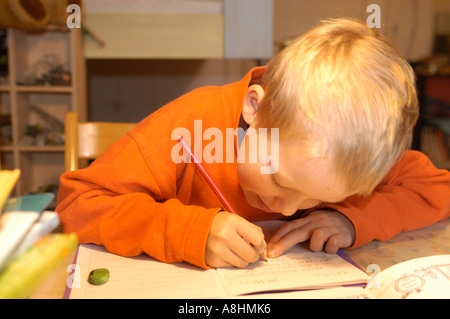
[41, 149]
[6, 148]
[43, 89]
[25, 104]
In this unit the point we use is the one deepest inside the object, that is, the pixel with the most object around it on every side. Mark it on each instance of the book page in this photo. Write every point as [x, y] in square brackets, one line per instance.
[18, 223]
[15, 225]
[298, 268]
[141, 277]
[327, 293]
[420, 278]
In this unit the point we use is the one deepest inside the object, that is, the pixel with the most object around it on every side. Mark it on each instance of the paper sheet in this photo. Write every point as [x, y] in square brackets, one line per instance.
[142, 277]
[299, 268]
[145, 277]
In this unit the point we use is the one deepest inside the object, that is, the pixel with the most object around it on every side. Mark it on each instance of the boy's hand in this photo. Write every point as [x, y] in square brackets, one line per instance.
[326, 229]
[233, 241]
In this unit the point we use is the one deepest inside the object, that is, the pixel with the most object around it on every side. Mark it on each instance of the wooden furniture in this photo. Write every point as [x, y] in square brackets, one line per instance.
[88, 140]
[240, 30]
[32, 98]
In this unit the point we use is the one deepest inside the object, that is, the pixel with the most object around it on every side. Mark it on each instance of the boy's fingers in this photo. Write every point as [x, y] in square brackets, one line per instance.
[244, 250]
[318, 238]
[252, 234]
[289, 239]
[328, 239]
[286, 228]
[232, 260]
[235, 260]
[337, 241]
[333, 244]
[225, 258]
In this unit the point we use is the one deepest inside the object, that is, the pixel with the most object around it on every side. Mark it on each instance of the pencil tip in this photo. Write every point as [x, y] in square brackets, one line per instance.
[264, 255]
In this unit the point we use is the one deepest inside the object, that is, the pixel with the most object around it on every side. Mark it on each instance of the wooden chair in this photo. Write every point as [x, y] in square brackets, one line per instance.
[87, 140]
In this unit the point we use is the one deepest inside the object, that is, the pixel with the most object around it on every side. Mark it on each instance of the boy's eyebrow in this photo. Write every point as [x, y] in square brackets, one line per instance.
[283, 183]
[289, 185]
[274, 176]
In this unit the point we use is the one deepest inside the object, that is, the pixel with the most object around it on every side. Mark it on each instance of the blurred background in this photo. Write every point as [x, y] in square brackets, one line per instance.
[130, 57]
[131, 88]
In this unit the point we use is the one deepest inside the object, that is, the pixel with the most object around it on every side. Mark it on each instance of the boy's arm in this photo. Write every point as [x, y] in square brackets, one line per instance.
[117, 202]
[414, 194]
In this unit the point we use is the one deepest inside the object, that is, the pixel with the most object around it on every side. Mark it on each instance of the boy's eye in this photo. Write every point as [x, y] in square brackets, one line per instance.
[276, 183]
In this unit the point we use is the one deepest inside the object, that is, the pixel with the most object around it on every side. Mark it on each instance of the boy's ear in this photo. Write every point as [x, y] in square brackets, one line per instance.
[253, 98]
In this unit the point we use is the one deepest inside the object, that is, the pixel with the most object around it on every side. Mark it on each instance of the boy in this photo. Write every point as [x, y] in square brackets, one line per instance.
[338, 106]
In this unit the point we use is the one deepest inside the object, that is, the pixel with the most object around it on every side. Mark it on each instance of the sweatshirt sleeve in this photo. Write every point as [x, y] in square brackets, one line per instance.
[117, 202]
[413, 195]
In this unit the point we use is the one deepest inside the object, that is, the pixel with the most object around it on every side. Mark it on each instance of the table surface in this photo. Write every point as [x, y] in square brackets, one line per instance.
[432, 240]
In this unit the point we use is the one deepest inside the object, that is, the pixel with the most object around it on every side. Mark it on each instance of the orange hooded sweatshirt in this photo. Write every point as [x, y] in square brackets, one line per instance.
[135, 199]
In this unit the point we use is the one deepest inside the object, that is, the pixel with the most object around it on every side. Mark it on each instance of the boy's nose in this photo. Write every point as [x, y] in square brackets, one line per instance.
[292, 205]
[285, 207]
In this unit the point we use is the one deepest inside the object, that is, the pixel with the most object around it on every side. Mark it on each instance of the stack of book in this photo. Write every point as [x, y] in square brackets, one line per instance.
[29, 251]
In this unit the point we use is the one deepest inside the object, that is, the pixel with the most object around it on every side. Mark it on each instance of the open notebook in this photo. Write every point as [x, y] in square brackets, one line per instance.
[419, 278]
[144, 277]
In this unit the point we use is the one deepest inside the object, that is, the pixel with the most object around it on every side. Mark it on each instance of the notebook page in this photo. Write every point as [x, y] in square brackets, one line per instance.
[299, 268]
[142, 277]
[327, 293]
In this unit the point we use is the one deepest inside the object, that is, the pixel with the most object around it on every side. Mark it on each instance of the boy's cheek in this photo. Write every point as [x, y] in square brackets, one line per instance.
[249, 197]
[245, 173]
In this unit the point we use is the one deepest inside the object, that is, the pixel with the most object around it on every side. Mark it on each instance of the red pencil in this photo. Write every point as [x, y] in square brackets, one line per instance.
[214, 186]
[207, 177]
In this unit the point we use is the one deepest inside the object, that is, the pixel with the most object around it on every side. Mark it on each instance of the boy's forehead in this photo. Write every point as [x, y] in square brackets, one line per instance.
[303, 172]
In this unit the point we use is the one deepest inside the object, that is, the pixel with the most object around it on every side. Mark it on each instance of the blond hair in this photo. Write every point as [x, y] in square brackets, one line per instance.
[343, 90]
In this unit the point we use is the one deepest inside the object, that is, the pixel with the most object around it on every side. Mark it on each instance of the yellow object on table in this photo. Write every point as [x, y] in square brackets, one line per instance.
[7, 181]
[23, 275]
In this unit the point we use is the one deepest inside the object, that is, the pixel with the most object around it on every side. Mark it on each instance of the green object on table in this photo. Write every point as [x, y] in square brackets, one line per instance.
[98, 276]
